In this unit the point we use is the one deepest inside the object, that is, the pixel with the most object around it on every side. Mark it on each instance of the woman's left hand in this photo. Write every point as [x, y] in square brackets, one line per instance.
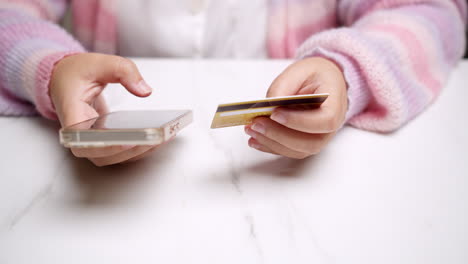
[301, 133]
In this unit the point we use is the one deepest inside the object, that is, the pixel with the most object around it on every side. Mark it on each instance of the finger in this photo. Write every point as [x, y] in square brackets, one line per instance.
[275, 146]
[101, 106]
[293, 139]
[314, 121]
[120, 157]
[149, 152]
[292, 80]
[116, 69]
[253, 143]
[99, 152]
[143, 155]
[76, 112]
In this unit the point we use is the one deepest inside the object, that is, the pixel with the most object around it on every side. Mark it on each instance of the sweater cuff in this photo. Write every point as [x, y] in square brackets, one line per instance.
[359, 95]
[43, 76]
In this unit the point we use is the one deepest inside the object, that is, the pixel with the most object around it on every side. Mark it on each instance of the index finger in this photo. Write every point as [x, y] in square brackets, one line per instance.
[99, 152]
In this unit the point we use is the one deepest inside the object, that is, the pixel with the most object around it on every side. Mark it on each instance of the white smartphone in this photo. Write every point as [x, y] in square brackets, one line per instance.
[126, 128]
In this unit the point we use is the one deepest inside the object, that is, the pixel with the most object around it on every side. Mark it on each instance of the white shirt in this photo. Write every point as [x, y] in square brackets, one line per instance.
[192, 28]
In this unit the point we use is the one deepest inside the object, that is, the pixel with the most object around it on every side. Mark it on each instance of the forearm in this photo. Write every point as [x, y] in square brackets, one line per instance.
[400, 55]
[29, 48]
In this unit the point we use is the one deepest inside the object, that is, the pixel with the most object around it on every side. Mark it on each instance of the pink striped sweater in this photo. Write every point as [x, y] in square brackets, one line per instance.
[396, 54]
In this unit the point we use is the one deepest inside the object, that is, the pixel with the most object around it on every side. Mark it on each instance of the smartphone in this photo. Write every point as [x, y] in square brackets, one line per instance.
[126, 128]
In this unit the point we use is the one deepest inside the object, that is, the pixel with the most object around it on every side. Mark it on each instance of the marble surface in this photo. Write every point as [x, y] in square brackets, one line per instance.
[206, 197]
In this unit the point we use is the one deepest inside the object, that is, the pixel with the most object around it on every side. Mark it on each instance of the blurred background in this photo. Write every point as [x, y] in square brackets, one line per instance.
[66, 23]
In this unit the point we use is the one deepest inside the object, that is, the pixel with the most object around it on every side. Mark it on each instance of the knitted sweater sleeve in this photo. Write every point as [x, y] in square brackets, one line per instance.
[30, 44]
[396, 56]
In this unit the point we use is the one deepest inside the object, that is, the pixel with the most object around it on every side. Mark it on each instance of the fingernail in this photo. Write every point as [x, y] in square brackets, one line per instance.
[143, 87]
[250, 132]
[278, 117]
[260, 128]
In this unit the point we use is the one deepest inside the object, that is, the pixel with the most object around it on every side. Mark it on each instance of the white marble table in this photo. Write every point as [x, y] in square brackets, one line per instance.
[208, 198]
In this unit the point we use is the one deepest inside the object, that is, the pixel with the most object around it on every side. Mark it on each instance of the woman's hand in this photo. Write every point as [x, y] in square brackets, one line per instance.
[75, 89]
[302, 133]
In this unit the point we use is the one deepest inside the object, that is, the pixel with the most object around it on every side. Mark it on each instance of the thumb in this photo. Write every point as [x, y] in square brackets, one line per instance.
[297, 78]
[116, 69]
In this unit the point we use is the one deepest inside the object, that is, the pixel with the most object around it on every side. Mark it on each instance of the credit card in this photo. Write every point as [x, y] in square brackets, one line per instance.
[242, 113]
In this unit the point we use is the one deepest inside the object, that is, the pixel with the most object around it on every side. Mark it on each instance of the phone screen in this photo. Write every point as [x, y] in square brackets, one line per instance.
[130, 120]
[126, 128]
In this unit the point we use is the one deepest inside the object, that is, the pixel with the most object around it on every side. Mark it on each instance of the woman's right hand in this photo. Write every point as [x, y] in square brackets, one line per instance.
[75, 89]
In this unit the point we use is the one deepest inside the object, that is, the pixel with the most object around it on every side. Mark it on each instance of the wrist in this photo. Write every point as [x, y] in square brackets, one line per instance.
[43, 77]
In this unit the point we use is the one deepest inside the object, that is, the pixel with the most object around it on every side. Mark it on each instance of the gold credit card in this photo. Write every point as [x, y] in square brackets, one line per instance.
[242, 113]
